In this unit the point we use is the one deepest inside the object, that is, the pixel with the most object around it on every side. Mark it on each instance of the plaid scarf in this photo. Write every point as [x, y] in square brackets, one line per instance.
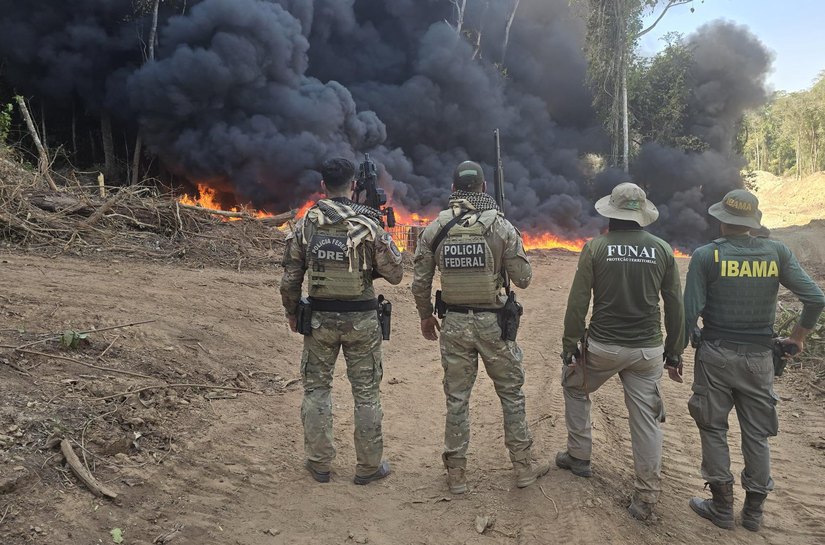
[472, 201]
[362, 222]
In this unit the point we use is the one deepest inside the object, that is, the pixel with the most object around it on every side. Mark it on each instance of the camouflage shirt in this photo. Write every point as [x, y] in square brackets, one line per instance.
[504, 241]
[381, 253]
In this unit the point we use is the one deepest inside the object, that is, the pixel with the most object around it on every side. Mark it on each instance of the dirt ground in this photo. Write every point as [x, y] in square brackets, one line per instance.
[225, 467]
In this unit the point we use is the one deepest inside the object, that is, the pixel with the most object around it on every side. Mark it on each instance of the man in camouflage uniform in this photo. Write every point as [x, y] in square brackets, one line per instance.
[626, 270]
[472, 245]
[732, 283]
[341, 247]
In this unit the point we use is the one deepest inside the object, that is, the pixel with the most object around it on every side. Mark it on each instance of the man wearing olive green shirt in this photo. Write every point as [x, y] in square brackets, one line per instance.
[626, 270]
[733, 283]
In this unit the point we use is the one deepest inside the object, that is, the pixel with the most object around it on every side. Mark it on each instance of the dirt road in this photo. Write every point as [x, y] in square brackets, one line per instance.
[229, 471]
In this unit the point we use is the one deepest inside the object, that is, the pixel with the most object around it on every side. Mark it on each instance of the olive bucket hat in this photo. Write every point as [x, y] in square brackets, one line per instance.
[739, 207]
[628, 201]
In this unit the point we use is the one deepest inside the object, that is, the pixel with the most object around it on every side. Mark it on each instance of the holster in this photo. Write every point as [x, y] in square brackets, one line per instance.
[384, 317]
[695, 337]
[440, 306]
[304, 316]
[509, 318]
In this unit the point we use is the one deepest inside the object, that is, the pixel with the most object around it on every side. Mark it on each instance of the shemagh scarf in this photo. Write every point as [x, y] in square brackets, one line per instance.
[470, 201]
[362, 223]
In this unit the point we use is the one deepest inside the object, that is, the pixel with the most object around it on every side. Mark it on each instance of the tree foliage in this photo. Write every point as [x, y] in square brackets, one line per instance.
[660, 89]
[786, 136]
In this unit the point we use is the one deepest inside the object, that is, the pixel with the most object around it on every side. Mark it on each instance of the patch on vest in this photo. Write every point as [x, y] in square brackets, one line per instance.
[464, 255]
[750, 269]
[327, 248]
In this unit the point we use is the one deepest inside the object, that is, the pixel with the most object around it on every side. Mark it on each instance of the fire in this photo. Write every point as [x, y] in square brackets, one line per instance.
[408, 224]
[208, 198]
[549, 241]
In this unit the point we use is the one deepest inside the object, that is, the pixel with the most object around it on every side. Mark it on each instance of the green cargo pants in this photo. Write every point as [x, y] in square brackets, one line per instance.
[359, 334]
[743, 378]
[640, 370]
[463, 338]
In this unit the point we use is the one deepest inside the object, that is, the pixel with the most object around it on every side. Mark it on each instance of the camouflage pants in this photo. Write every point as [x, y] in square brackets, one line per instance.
[463, 338]
[723, 379]
[359, 334]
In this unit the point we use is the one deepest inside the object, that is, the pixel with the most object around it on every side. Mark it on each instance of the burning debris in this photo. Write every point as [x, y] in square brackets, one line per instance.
[249, 97]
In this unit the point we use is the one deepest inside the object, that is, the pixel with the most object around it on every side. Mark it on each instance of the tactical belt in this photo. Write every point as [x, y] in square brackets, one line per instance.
[330, 305]
[741, 348]
[467, 310]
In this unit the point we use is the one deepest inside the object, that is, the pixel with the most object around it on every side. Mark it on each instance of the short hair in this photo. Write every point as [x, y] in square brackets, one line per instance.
[337, 172]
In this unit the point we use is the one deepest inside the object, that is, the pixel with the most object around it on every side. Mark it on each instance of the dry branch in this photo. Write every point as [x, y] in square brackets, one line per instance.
[280, 219]
[82, 473]
[173, 386]
[79, 362]
[41, 151]
[222, 213]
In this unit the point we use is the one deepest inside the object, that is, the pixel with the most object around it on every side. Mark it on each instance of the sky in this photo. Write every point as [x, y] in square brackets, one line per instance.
[792, 29]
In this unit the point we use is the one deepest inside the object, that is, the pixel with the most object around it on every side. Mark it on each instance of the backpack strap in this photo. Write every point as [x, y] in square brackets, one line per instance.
[442, 234]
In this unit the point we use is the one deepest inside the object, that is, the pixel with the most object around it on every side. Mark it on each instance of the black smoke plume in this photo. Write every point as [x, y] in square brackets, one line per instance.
[250, 96]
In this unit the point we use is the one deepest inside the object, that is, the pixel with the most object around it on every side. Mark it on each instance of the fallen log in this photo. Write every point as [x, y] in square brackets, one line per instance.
[280, 219]
[83, 474]
[222, 213]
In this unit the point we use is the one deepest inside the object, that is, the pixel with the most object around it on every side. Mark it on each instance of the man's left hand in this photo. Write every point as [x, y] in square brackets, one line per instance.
[674, 367]
[293, 323]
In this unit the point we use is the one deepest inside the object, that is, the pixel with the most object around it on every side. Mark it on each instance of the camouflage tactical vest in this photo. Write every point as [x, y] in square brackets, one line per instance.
[333, 272]
[467, 265]
[741, 293]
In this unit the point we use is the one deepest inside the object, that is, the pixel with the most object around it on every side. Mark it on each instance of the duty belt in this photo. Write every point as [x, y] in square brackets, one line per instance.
[474, 310]
[740, 348]
[330, 305]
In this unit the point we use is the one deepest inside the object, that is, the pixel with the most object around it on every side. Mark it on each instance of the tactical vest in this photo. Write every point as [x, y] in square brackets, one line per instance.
[333, 272]
[467, 265]
[742, 290]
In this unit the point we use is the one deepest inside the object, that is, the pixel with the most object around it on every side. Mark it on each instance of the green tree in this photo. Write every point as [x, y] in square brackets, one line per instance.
[613, 31]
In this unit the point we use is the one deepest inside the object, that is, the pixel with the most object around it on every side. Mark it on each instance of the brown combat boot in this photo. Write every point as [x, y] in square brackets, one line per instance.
[719, 509]
[527, 471]
[752, 511]
[456, 480]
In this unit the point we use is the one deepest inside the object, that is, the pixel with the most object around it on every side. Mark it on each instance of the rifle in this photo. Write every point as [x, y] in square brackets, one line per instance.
[498, 187]
[375, 196]
[510, 315]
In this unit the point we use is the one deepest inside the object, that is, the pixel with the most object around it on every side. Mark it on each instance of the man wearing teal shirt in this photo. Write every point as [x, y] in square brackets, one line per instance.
[732, 284]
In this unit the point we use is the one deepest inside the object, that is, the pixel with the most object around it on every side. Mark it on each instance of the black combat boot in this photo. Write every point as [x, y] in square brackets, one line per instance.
[752, 511]
[719, 509]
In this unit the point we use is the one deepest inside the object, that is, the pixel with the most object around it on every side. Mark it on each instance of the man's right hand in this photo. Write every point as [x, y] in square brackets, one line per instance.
[429, 327]
[293, 323]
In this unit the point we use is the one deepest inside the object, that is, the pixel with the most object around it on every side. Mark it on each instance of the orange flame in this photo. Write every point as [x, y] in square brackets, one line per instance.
[408, 224]
[208, 198]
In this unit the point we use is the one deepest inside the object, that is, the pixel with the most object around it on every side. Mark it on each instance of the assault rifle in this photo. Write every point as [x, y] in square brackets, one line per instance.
[510, 315]
[375, 196]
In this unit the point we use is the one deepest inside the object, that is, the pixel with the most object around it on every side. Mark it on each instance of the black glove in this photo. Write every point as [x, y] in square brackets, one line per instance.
[674, 362]
[570, 357]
